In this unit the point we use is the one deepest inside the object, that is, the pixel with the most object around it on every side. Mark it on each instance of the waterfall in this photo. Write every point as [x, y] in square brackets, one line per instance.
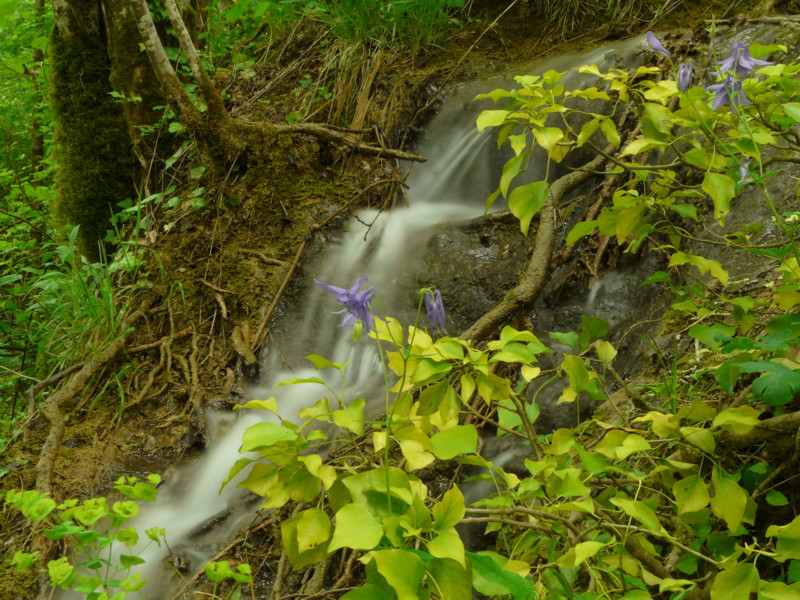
[463, 168]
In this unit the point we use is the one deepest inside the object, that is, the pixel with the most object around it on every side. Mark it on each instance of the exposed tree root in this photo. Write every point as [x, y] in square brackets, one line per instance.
[51, 409]
[31, 393]
[538, 268]
[164, 360]
[217, 124]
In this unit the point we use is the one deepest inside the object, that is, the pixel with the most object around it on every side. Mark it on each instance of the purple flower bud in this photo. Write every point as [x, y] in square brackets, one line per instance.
[356, 303]
[685, 72]
[435, 309]
[744, 171]
[651, 43]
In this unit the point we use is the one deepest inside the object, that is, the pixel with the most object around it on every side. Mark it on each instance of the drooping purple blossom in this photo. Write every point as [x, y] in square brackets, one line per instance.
[744, 172]
[728, 92]
[435, 309]
[651, 43]
[740, 62]
[685, 73]
[355, 302]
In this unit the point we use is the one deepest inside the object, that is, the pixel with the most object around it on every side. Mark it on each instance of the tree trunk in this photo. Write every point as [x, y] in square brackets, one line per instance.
[95, 162]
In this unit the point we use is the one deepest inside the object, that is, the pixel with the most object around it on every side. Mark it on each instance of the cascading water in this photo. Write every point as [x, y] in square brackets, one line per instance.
[462, 170]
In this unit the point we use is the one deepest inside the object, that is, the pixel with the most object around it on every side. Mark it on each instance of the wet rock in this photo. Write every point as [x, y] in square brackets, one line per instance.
[473, 263]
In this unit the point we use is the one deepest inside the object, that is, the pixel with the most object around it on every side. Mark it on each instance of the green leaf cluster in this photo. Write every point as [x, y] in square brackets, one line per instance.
[90, 527]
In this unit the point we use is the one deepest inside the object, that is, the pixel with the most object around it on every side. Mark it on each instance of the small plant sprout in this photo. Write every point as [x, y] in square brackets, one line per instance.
[90, 528]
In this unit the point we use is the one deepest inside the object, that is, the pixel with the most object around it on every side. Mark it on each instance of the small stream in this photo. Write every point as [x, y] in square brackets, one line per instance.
[463, 168]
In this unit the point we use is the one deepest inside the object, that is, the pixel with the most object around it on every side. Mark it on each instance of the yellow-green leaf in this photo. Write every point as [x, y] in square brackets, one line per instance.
[777, 590]
[700, 438]
[639, 511]
[704, 265]
[527, 200]
[580, 553]
[730, 500]
[491, 118]
[606, 352]
[450, 510]
[610, 131]
[518, 142]
[664, 425]
[355, 528]
[787, 546]
[722, 190]
[587, 131]
[738, 420]
[352, 417]
[448, 544]
[264, 435]
[304, 537]
[269, 404]
[388, 330]
[735, 582]
[462, 439]
[402, 569]
[548, 137]
[640, 145]
[620, 444]
[414, 445]
[691, 494]
[581, 229]
[511, 169]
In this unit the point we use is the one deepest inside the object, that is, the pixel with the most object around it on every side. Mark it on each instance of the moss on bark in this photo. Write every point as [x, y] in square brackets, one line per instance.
[93, 148]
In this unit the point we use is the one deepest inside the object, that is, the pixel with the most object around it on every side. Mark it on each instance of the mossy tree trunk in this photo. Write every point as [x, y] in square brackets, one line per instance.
[132, 76]
[94, 158]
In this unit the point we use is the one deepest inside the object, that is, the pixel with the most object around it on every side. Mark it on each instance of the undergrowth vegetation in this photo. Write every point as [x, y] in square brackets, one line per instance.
[659, 496]
[650, 498]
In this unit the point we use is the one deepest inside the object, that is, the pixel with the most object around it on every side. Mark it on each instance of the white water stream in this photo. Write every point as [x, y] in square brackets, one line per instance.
[462, 170]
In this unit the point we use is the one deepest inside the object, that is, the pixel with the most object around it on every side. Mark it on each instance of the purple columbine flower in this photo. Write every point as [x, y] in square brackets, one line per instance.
[355, 302]
[685, 72]
[740, 61]
[651, 43]
[728, 92]
[435, 309]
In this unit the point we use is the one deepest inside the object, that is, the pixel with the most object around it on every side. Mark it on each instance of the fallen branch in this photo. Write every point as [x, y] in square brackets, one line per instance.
[268, 260]
[329, 134]
[538, 268]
